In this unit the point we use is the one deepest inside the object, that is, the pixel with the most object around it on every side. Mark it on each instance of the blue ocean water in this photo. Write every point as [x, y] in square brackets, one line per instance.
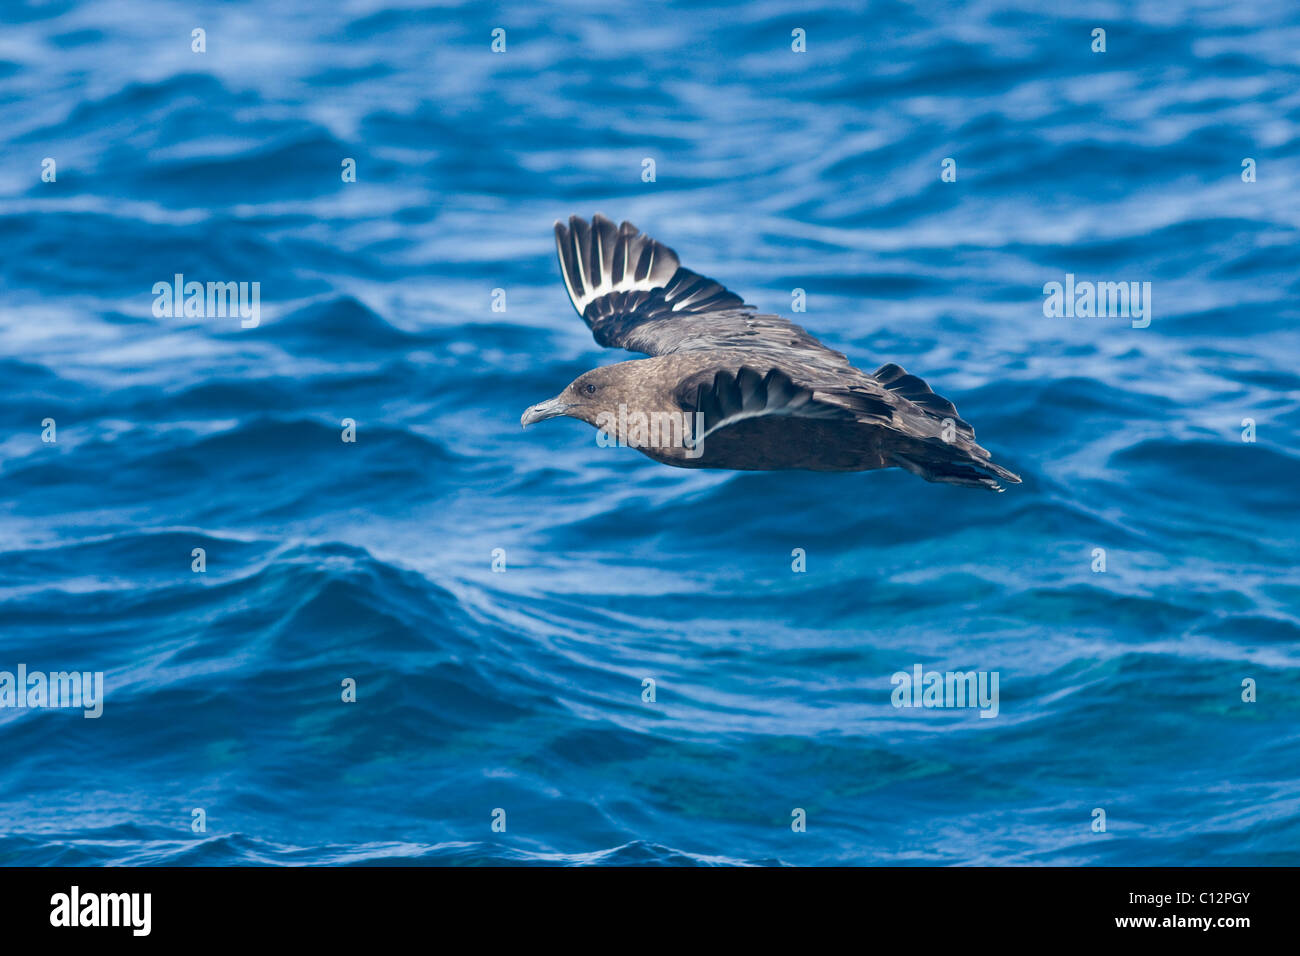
[521, 690]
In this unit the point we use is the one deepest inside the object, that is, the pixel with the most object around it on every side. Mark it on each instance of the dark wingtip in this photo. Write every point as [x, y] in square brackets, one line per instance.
[1003, 473]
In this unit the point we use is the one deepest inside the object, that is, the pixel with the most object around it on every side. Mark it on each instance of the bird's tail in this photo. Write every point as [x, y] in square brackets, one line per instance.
[953, 463]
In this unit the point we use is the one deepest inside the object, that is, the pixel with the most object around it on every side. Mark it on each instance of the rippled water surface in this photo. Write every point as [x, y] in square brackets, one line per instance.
[522, 690]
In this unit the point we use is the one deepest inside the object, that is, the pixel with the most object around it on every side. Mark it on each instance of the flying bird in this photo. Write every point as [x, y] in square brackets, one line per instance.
[728, 387]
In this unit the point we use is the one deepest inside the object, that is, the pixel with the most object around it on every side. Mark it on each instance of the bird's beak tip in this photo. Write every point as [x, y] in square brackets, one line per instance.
[542, 411]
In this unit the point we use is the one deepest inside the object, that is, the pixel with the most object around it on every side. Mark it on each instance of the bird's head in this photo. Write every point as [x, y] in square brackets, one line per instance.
[588, 395]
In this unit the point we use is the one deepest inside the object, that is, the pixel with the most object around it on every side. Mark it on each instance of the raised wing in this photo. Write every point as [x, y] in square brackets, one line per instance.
[633, 293]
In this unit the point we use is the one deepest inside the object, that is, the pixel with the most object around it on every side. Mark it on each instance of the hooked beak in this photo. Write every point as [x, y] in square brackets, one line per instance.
[552, 408]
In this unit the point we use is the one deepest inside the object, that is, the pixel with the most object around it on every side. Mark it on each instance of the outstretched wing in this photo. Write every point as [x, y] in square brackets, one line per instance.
[912, 427]
[726, 396]
[633, 293]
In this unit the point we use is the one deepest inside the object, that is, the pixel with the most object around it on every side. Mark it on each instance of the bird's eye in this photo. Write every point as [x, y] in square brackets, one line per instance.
[591, 389]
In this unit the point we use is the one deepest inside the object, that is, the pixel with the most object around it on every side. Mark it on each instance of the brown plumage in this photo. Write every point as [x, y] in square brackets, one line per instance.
[726, 387]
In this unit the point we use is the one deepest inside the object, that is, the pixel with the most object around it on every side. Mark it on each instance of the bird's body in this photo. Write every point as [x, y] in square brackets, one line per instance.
[726, 387]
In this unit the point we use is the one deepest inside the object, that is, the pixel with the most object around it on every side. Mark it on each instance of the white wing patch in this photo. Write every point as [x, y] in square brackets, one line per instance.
[600, 259]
